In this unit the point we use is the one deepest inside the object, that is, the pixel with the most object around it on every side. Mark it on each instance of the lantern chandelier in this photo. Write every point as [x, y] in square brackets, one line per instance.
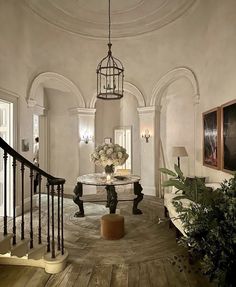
[110, 73]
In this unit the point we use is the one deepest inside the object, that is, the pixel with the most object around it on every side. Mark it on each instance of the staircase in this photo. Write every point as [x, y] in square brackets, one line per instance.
[25, 239]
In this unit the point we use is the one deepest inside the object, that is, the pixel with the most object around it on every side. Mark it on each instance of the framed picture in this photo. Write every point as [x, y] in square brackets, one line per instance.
[228, 114]
[107, 140]
[211, 138]
[24, 145]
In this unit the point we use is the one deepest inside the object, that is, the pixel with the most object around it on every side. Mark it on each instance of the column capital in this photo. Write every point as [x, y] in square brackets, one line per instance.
[82, 111]
[147, 110]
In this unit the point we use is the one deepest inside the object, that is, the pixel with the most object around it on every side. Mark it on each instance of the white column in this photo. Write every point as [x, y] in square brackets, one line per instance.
[147, 120]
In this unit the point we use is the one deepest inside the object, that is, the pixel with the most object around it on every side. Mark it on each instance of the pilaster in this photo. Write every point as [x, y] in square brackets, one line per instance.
[147, 121]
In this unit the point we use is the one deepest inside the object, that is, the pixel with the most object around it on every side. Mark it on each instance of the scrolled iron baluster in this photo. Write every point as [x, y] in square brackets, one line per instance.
[58, 218]
[31, 209]
[14, 201]
[5, 156]
[62, 227]
[48, 219]
[22, 202]
[40, 209]
[53, 236]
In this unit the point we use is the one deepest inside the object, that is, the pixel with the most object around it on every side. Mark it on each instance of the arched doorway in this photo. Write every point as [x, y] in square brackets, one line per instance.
[176, 95]
[53, 97]
[118, 114]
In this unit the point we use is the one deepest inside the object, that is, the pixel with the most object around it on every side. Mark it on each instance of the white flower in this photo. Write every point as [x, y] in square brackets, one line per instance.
[108, 154]
[109, 151]
[120, 155]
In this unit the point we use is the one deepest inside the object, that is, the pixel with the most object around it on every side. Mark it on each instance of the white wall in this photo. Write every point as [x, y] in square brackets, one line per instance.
[63, 138]
[129, 117]
[203, 39]
[177, 124]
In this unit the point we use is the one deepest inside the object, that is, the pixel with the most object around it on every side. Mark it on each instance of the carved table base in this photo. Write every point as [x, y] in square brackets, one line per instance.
[111, 198]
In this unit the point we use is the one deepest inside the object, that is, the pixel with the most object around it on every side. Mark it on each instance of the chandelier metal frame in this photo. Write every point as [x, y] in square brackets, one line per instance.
[110, 73]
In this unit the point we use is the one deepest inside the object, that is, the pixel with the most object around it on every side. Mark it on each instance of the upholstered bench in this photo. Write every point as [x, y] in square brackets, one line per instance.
[170, 210]
[112, 226]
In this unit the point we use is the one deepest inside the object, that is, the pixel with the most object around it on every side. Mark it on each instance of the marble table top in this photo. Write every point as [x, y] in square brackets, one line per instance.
[100, 179]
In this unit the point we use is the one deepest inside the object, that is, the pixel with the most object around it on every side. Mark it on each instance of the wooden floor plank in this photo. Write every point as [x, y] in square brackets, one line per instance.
[70, 278]
[133, 275]
[174, 274]
[56, 279]
[12, 275]
[84, 276]
[119, 276]
[101, 276]
[156, 272]
[38, 278]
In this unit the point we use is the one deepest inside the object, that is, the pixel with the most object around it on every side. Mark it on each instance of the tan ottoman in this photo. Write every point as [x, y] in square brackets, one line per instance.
[112, 226]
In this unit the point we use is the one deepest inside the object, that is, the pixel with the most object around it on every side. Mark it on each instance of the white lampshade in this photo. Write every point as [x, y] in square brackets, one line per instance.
[179, 151]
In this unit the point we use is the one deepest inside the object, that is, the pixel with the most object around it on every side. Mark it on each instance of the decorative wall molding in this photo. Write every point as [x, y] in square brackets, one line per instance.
[82, 111]
[129, 18]
[128, 88]
[9, 93]
[159, 92]
[147, 110]
[169, 78]
[45, 77]
[196, 99]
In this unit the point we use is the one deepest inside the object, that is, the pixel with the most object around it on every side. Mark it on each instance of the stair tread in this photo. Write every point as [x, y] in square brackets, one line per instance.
[37, 247]
[4, 237]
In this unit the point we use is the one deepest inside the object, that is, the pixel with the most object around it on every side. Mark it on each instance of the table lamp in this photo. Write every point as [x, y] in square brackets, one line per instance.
[179, 151]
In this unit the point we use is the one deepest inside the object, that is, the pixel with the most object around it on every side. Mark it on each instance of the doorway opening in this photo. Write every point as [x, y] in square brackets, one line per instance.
[6, 132]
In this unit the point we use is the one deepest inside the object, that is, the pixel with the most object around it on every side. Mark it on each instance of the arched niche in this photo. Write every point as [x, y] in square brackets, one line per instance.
[128, 88]
[43, 79]
[171, 77]
[176, 95]
[122, 114]
[60, 98]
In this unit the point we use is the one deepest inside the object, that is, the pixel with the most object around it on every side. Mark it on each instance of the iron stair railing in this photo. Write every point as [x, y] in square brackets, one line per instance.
[54, 188]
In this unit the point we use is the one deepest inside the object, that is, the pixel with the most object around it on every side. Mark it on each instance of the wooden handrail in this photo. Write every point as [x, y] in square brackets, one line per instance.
[55, 188]
[51, 179]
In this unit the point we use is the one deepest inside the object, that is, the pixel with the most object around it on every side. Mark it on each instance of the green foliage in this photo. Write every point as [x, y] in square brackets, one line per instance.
[192, 189]
[210, 225]
[167, 171]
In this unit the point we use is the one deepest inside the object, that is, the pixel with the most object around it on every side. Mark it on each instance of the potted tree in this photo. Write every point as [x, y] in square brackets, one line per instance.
[210, 225]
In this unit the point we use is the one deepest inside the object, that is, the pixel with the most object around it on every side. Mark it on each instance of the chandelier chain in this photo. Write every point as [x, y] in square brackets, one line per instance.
[110, 72]
[109, 14]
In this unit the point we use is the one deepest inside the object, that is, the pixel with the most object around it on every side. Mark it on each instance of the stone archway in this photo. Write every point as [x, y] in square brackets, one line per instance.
[158, 94]
[129, 88]
[58, 124]
[132, 100]
[171, 77]
[42, 78]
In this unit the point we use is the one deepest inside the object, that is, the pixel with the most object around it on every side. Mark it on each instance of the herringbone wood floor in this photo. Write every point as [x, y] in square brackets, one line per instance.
[148, 255]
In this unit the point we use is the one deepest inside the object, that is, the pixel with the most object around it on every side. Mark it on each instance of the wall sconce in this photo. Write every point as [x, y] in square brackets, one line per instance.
[146, 135]
[86, 138]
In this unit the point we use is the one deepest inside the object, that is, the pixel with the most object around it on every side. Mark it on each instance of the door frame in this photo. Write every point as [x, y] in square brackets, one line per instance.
[13, 99]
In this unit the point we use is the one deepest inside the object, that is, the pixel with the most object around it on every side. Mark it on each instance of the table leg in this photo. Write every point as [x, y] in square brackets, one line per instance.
[108, 196]
[78, 191]
[112, 195]
[137, 191]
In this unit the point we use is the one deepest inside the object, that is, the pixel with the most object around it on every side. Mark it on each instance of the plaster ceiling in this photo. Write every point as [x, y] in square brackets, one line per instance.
[128, 17]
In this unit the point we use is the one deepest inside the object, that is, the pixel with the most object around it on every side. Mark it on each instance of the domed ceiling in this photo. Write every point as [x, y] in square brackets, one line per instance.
[128, 17]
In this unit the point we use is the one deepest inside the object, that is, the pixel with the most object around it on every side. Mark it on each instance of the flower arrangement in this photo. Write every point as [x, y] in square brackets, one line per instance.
[109, 154]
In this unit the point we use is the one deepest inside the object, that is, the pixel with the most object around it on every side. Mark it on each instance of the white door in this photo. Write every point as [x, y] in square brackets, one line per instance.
[6, 132]
[123, 137]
